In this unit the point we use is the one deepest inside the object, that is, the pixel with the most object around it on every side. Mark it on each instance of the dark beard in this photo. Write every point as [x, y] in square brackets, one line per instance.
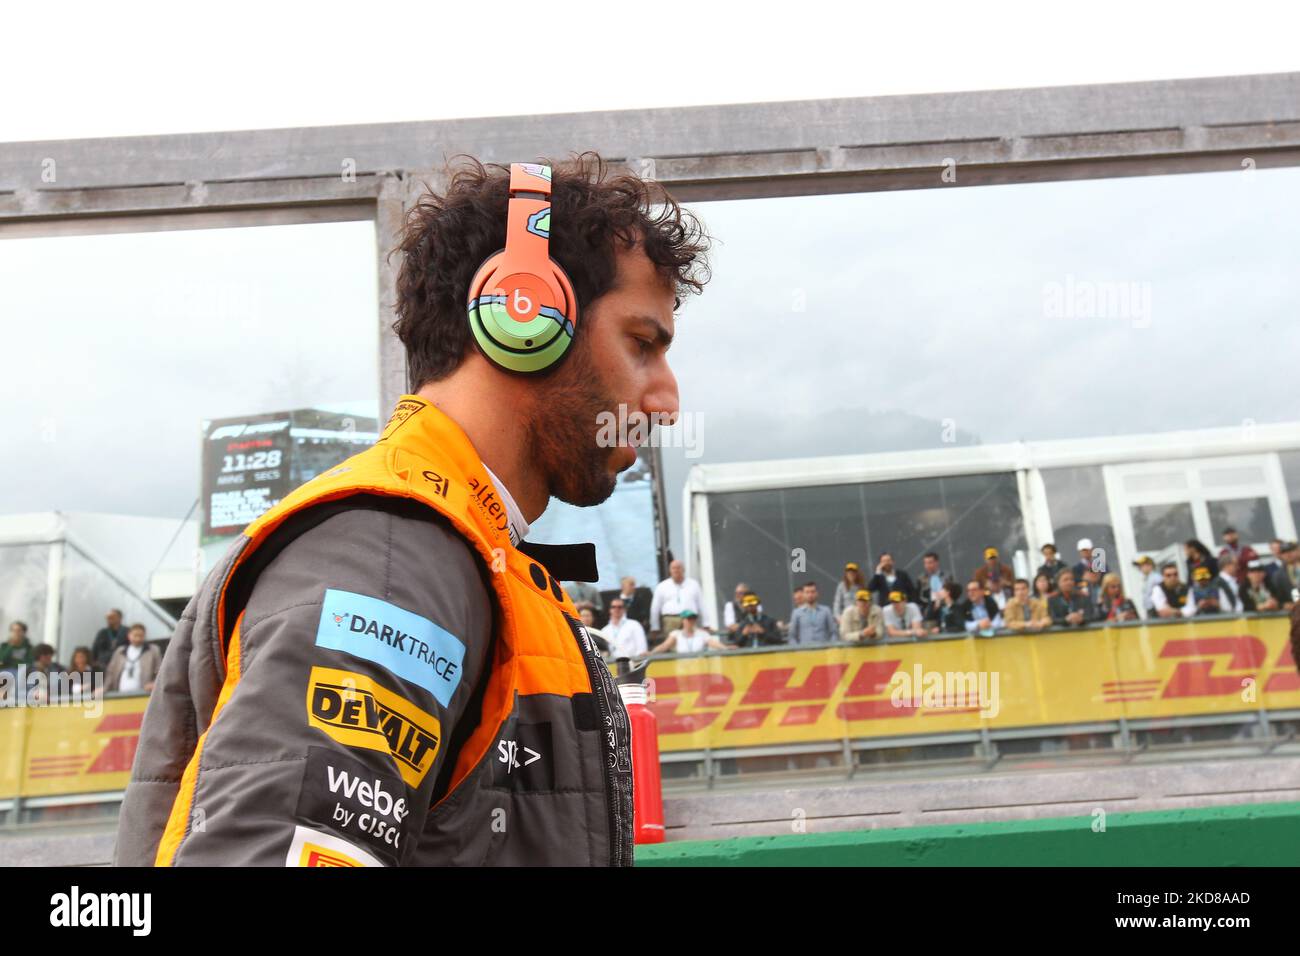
[562, 440]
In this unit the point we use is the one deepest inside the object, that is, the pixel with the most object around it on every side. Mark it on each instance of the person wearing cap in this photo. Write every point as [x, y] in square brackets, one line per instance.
[849, 585]
[1206, 595]
[993, 576]
[687, 639]
[980, 612]
[1023, 612]
[1146, 566]
[1069, 606]
[902, 618]
[812, 623]
[1233, 547]
[731, 611]
[1287, 577]
[1169, 597]
[1052, 565]
[1085, 562]
[863, 621]
[756, 628]
[625, 636]
[1261, 593]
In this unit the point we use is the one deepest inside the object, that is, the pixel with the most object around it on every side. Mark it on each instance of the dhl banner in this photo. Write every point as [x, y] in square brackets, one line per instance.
[69, 749]
[1164, 670]
[1232, 665]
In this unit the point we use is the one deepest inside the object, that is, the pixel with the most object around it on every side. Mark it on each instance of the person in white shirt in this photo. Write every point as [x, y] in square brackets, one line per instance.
[626, 637]
[672, 596]
[688, 640]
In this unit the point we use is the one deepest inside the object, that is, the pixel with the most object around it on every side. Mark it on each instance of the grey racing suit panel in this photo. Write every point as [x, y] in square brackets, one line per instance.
[361, 646]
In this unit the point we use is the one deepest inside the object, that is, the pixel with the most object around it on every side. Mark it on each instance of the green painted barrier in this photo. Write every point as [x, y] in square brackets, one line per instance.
[1261, 834]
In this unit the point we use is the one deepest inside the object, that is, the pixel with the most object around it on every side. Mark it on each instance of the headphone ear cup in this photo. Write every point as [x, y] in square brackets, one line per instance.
[530, 346]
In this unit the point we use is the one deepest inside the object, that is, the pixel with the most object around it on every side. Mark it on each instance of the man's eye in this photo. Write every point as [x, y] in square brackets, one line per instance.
[644, 345]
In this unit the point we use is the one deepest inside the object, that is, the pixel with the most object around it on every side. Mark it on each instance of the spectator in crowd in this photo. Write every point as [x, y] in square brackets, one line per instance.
[1207, 594]
[688, 639]
[1044, 586]
[1023, 612]
[587, 615]
[849, 585]
[902, 618]
[1086, 556]
[1198, 556]
[582, 593]
[1114, 605]
[1232, 547]
[1275, 563]
[1232, 584]
[1288, 576]
[1261, 593]
[756, 628]
[812, 623]
[44, 667]
[18, 649]
[944, 614]
[1051, 566]
[889, 578]
[993, 576]
[80, 679]
[1169, 597]
[980, 613]
[1069, 606]
[626, 637]
[1089, 585]
[863, 621]
[636, 601]
[134, 665]
[932, 582]
[733, 611]
[673, 595]
[1146, 566]
[108, 639]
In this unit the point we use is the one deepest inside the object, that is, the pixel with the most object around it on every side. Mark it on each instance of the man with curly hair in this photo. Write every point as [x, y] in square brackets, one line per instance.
[382, 670]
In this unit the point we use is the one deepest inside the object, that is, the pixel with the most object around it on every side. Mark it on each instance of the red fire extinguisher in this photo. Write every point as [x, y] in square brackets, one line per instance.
[647, 789]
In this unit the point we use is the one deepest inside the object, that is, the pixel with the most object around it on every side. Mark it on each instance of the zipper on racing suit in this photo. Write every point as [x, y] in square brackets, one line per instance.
[615, 737]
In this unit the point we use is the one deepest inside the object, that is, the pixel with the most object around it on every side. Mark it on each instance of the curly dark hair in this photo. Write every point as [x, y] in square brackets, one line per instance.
[446, 238]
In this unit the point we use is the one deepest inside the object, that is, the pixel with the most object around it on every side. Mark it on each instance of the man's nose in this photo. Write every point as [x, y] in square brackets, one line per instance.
[660, 401]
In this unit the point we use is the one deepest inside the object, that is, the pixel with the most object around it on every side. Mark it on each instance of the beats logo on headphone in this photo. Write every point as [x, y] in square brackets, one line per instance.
[522, 312]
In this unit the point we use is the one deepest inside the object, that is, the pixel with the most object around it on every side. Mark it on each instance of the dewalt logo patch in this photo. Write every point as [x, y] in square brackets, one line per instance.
[357, 712]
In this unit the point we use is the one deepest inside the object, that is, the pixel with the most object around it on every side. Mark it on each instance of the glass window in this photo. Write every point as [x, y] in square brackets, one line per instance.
[1076, 500]
[755, 533]
[1250, 516]
[1158, 528]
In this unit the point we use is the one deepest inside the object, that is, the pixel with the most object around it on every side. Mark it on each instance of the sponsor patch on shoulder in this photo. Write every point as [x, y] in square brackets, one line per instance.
[359, 712]
[315, 848]
[412, 647]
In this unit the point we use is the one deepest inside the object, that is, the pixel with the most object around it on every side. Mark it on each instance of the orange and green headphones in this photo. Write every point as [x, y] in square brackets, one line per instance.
[522, 311]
